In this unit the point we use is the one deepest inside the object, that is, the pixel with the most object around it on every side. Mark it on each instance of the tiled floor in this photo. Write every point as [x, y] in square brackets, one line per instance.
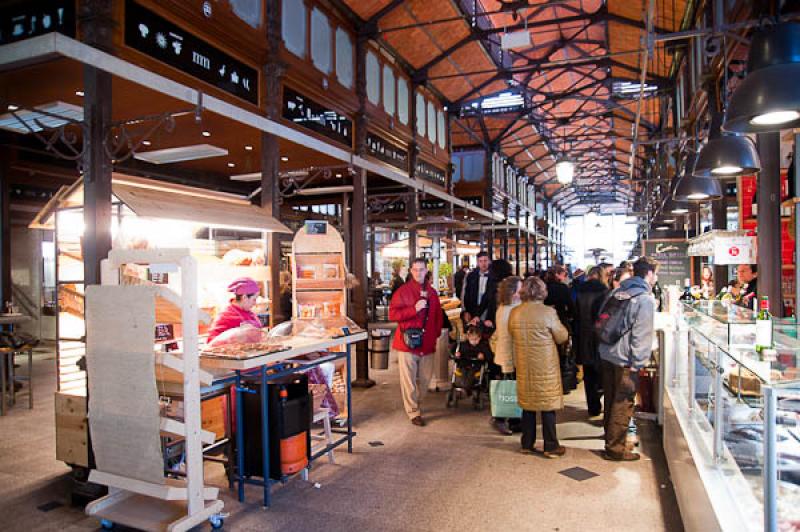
[454, 474]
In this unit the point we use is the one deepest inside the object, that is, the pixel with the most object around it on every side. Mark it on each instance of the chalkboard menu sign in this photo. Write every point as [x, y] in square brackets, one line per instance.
[673, 258]
[157, 37]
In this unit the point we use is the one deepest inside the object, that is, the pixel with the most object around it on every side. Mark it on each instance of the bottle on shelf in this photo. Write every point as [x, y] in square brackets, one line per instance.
[686, 297]
[763, 327]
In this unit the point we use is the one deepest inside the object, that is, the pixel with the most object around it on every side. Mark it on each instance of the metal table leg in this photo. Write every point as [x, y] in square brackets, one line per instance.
[349, 405]
[265, 436]
[30, 378]
[239, 436]
[3, 361]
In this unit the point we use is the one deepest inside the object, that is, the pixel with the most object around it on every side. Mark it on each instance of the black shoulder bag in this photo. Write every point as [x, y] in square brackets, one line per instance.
[413, 336]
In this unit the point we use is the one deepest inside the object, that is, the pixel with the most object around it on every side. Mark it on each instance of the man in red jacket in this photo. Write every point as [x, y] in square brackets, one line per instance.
[415, 305]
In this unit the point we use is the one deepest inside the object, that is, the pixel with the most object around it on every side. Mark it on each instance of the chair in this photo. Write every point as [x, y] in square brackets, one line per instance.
[321, 414]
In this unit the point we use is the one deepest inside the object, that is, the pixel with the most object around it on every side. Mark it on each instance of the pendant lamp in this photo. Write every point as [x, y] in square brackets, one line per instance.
[768, 99]
[727, 156]
[694, 188]
[674, 207]
[565, 171]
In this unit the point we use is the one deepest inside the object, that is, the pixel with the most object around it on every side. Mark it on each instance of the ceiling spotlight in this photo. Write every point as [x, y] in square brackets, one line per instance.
[206, 133]
[79, 93]
[146, 143]
[12, 107]
[338, 175]
[767, 99]
[284, 159]
[248, 148]
[231, 165]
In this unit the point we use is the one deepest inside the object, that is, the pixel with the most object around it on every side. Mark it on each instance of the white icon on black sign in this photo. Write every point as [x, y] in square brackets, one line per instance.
[246, 83]
[234, 77]
[161, 40]
[144, 30]
[222, 71]
[33, 26]
[19, 29]
[60, 16]
[176, 45]
[207, 9]
[46, 21]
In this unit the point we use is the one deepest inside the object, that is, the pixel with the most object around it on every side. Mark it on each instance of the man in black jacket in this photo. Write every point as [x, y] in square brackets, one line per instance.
[590, 296]
[480, 295]
[558, 295]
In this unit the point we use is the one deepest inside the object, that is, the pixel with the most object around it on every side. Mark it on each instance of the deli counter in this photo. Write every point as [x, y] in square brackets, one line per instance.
[731, 419]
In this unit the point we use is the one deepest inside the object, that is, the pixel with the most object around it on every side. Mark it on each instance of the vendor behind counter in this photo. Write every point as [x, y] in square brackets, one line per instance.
[239, 312]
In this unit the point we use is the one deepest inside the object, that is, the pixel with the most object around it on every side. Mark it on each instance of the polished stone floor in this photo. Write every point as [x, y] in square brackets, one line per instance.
[454, 474]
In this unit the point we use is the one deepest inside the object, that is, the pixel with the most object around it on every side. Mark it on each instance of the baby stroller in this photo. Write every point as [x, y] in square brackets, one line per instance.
[468, 377]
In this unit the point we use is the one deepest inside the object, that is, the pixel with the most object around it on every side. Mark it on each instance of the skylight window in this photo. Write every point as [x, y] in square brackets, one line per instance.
[631, 89]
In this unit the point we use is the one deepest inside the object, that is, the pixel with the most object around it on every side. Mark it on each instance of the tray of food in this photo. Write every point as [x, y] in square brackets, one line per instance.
[242, 351]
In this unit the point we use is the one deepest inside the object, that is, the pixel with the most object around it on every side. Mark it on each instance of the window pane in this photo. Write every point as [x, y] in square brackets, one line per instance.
[321, 41]
[420, 115]
[402, 101]
[431, 122]
[344, 58]
[294, 26]
[373, 79]
[388, 89]
[440, 132]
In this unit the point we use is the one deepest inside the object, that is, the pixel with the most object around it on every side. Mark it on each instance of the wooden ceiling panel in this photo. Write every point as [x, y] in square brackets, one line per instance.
[366, 8]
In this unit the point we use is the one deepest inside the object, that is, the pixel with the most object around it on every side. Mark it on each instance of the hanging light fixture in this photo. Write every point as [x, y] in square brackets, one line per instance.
[695, 188]
[727, 156]
[565, 171]
[768, 100]
[675, 207]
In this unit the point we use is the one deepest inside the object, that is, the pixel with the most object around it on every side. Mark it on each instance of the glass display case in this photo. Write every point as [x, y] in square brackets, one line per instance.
[739, 411]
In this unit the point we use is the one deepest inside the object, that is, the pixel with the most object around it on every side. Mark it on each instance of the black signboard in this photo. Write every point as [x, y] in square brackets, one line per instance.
[29, 19]
[675, 265]
[432, 204]
[430, 173]
[157, 37]
[385, 151]
[309, 114]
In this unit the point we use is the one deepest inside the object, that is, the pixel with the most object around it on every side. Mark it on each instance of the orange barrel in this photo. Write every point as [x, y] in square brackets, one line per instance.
[294, 453]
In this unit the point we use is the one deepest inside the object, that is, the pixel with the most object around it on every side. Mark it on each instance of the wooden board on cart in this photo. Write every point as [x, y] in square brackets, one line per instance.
[72, 434]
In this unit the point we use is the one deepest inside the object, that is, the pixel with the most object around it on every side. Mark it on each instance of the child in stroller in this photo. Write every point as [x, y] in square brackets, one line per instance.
[472, 360]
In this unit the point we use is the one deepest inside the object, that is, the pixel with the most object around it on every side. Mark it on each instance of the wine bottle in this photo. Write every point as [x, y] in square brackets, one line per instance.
[763, 327]
[686, 297]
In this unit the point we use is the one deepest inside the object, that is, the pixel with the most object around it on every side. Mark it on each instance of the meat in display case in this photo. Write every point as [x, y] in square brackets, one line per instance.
[740, 412]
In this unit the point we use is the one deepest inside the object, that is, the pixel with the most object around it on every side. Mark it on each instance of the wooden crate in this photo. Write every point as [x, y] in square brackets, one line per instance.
[72, 432]
[213, 415]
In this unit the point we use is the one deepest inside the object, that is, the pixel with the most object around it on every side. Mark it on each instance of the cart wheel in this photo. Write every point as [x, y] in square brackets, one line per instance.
[216, 521]
[105, 524]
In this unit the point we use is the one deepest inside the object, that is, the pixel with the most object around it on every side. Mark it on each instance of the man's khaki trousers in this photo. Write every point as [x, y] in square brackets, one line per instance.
[415, 376]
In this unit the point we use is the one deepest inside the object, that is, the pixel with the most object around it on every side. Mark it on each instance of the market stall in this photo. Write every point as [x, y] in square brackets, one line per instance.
[224, 232]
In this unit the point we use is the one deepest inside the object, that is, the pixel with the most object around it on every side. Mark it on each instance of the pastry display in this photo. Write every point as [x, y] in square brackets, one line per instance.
[240, 351]
[745, 382]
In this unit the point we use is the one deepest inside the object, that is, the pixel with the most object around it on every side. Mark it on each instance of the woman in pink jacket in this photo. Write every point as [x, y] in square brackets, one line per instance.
[245, 291]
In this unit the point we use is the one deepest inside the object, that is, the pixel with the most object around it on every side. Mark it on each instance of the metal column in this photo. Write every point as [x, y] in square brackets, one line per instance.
[359, 269]
[769, 221]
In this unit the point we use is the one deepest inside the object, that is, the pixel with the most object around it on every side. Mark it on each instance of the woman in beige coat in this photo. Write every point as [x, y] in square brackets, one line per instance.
[535, 332]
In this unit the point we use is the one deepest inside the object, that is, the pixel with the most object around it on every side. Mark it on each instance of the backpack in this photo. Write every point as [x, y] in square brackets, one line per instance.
[611, 323]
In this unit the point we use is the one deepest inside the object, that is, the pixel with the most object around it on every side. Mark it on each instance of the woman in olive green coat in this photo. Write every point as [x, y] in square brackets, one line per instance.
[535, 332]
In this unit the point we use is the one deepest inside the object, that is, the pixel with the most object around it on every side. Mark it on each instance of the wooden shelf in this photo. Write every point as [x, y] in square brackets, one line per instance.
[320, 284]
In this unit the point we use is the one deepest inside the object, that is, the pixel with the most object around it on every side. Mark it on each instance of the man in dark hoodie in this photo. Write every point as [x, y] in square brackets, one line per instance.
[623, 359]
[591, 294]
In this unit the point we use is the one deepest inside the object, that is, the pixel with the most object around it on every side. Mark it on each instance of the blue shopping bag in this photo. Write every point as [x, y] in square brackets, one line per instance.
[503, 396]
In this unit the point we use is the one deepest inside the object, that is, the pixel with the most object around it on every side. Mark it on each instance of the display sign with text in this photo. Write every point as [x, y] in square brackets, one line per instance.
[309, 114]
[29, 19]
[161, 39]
